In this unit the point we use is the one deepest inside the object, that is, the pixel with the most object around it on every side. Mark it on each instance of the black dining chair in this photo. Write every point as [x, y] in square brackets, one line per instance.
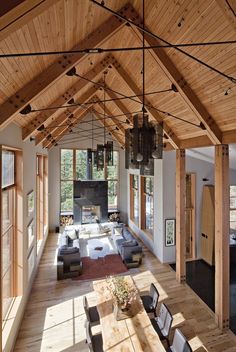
[94, 342]
[180, 343]
[150, 301]
[162, 323]
[91, 313]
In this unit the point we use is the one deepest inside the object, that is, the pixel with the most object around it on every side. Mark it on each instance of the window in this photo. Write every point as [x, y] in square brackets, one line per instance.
[232, 209]
[81, 164]
[41, 197]
[134, 199]
[75, 165]
[147, 203]
[8, 218]
[112, 177]
[67, 173]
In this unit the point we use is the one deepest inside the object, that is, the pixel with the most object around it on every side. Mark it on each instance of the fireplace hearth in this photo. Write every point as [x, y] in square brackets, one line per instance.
[90, 213]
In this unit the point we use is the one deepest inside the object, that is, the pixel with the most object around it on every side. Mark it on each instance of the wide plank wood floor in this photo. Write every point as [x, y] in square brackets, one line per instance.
[54, 317]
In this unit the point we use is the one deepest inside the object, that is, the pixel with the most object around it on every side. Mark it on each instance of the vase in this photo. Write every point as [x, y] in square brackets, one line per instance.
[122, 313]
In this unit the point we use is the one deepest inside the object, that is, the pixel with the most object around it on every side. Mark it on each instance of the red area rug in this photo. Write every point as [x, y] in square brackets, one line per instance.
[100, 268]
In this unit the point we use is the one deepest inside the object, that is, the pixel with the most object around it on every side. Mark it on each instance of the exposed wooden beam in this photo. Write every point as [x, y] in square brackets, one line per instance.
[115, 135]
[84, 98]
[114, 119]
[187, 94]
[31, 127]
[196, 142]
[177, 78]
[229, 137]
[222, 236]
[60, 120]
[228, 9]
[121, 106]
[21, 14]
[61, 131]
[44, 80]
[134, 88]
[180, 216]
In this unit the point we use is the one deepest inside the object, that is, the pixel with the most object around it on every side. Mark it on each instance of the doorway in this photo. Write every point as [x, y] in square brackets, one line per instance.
[190, 216]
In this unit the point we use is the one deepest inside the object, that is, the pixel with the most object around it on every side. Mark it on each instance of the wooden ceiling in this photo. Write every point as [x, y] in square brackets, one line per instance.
[203, 96]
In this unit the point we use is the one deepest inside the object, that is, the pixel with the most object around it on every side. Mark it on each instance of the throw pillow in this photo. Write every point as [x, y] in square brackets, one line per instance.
[129, 243]
[72, 235]
[68, 250]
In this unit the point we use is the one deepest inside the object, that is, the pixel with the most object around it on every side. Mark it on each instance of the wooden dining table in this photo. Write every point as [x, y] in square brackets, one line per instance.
[129, 335]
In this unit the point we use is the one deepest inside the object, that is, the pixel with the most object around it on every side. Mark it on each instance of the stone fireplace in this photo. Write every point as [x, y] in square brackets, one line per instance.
[90, 201]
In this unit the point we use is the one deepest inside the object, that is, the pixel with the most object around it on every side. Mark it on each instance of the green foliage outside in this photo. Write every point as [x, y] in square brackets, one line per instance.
[67, 173]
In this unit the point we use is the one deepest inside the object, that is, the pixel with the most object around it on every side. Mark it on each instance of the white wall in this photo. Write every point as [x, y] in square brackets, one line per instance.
[11, 136]
[202, 169]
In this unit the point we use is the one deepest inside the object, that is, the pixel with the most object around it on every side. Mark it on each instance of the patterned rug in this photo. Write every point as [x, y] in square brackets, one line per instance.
[94, 269]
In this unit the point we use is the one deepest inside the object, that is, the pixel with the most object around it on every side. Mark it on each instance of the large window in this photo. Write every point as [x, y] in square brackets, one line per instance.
[8, 218]
[77, 165]
[147, 204]
[41, 197]
[232, 209]
[134, 199]
[67, 173]
[112, 177]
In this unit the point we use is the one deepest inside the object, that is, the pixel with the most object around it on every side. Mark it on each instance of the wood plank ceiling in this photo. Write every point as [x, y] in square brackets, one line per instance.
[204, 96]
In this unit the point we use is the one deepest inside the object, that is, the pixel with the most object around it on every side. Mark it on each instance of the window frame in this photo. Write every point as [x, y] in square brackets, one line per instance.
[134, 190]
[144, 195]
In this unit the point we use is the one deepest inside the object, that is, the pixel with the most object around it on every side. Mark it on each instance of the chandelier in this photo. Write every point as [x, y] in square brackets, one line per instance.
[143, 142]
[104, 152]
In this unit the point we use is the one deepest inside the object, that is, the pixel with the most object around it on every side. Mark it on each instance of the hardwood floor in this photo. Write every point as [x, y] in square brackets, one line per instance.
[54, 317]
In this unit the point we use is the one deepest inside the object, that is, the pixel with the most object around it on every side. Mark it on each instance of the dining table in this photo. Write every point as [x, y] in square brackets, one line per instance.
[133, 334]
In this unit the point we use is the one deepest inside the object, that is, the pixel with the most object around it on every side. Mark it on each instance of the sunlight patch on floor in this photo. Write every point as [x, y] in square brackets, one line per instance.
[178, 318]
[143, 281]
[64, 326]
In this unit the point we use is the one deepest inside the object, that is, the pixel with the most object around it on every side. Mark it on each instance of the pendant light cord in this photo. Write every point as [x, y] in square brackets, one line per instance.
[104, 96]
[143, 64]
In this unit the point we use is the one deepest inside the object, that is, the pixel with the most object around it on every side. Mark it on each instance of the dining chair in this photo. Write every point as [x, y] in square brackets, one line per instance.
[91, 313]
[150, 301]
[95, 343]
[180, 343]
[162, 323]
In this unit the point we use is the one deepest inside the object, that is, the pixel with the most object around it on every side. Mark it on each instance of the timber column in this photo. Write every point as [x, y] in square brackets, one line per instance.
[222, 236]
[180, 216]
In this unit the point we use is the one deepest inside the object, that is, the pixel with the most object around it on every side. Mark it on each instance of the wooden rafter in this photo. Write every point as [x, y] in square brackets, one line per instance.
[177, 78]
[21, 14]
[64, 98]
[44, 80]
[121, 106]
[84, 97]
[228, 9]
[132, 85]
[61, 131]
[196, 142]
[114, 119]
[115, 135]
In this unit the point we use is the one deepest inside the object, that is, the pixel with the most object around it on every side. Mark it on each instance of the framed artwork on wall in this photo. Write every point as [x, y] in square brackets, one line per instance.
[170, 232]
[30, 233]
[30, 203]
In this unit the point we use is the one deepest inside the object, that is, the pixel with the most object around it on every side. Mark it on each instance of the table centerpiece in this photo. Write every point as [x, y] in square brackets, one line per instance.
[124, 296]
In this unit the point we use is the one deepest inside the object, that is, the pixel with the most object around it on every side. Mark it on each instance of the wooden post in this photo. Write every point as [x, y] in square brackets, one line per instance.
[180, 216]
[222, 236]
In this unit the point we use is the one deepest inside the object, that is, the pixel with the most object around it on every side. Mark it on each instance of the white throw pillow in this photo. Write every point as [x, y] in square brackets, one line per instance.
[72, 234]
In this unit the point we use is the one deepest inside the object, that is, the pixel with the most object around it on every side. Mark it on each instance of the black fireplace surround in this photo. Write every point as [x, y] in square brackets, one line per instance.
[90, 193]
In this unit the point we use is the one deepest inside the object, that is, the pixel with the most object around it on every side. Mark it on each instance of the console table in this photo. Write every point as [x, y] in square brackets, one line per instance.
[134, 334]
